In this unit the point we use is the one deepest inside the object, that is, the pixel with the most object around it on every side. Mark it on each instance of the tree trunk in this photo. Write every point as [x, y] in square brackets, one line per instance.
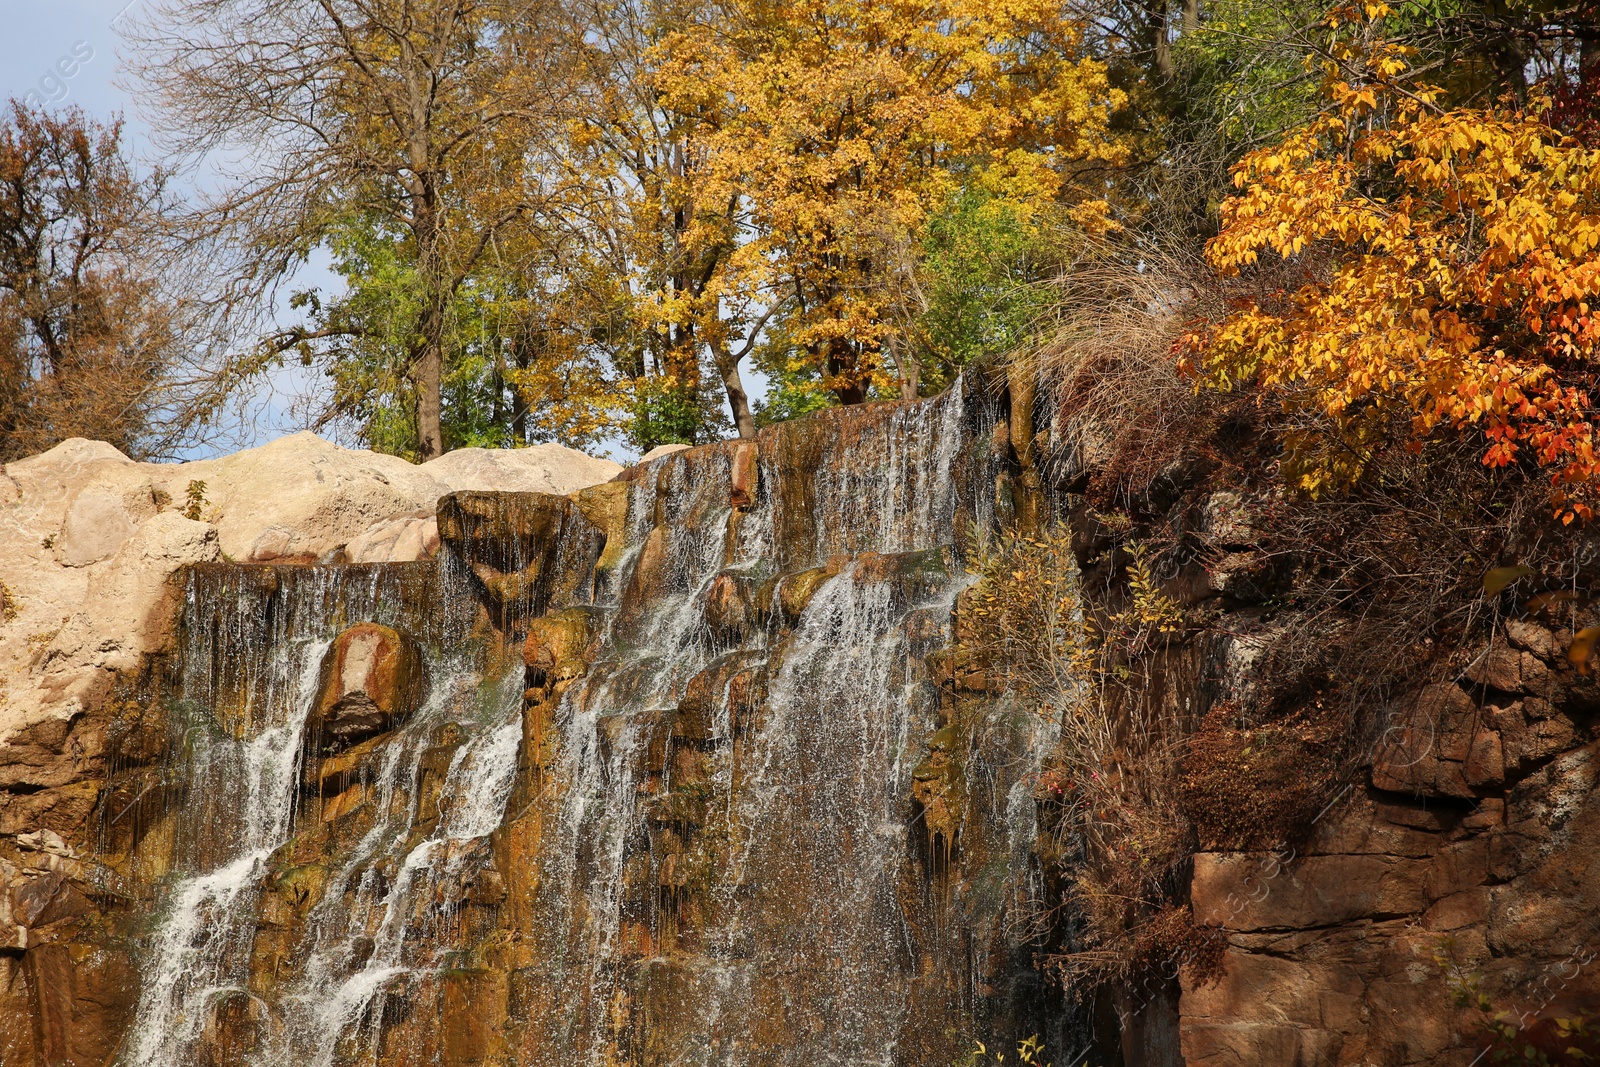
[426, 377]
[738, 400]
[519, 406]
[853, 392]
[428, 368]
[1160, 40]
[910, 371]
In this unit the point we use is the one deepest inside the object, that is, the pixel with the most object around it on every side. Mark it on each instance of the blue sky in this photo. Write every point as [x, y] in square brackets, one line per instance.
[39, 33]
[42, 51]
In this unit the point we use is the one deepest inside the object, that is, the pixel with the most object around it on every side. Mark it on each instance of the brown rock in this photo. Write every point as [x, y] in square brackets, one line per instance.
[1532, 637]
[1485, 761]
[557, 645]
[727, 613]
[744, 474]
[1269, 1010]
[372, 678]
[1490, 812]
[1509, 670]
[1459, 866]
[81, 999]
[1255, 891]
[1424, 752]
[1467, 908]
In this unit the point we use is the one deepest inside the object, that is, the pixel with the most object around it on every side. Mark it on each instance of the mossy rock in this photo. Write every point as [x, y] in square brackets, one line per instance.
[557, 646]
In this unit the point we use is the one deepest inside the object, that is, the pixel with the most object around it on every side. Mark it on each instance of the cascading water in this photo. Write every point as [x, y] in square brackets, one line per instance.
[712, 839]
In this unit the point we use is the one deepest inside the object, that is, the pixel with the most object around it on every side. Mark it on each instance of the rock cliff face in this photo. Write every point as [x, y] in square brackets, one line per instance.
[691, 765]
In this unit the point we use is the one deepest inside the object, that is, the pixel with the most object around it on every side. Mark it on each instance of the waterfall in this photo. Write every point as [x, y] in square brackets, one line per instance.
[703, 846]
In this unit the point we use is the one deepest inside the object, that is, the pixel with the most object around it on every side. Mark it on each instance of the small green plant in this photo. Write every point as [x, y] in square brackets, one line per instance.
[10, 606]
[194, 500]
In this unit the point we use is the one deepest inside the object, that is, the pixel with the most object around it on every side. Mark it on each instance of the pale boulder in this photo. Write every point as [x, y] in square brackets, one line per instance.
[300, 496]
[103, 515]
[127, 612]
[402, 539]
[660, 451]
[547, 468]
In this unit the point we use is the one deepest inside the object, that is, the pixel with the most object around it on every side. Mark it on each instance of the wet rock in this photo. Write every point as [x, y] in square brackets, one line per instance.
[729, 689]
[531, 551]
[652, 570]
[913, 576]
[938, 787]
[606, 508]
[794, 591]
[744, 474]
[728, 612]
[372, 678]
[557, 646]
[472, 1010]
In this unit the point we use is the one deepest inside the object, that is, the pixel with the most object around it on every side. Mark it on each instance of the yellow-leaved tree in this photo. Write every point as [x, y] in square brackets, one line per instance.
[1451, 267]
[839, 126]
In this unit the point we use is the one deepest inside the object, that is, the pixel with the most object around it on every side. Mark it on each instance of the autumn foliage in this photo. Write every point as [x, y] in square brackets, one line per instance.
[1448, 264]
[841, 127]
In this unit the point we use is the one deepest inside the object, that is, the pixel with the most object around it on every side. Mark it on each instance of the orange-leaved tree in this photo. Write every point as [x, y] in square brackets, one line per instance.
[840, 126]
[1451, 265]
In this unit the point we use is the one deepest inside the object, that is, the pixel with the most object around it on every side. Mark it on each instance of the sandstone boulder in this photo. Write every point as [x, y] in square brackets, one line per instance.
[401, 539]
[126, 612]
[660, 452]
[372, 678]
[546, 468]
[299, 496]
